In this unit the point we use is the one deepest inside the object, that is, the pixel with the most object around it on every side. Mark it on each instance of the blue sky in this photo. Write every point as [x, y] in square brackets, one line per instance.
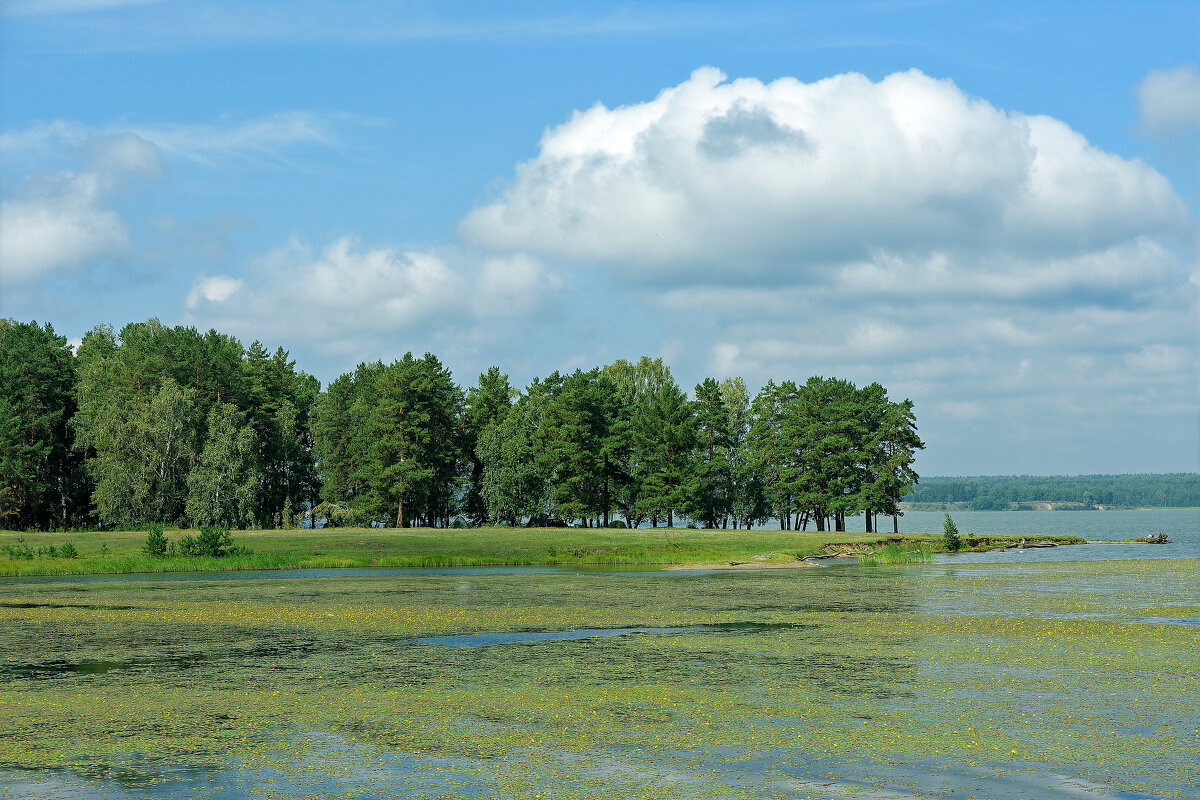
[988, 207]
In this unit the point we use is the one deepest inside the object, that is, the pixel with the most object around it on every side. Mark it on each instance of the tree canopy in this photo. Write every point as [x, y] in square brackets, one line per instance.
[158, 424]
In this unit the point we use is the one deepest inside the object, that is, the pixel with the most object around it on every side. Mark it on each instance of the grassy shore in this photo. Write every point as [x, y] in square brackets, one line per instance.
[112, 552]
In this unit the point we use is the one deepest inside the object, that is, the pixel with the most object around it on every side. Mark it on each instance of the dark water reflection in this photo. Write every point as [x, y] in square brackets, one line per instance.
[58, 669]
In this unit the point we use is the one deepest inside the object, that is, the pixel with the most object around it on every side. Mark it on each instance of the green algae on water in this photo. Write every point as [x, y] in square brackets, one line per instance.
[821, 683]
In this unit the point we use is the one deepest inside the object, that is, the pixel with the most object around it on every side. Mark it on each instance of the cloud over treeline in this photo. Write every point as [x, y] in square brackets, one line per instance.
[344, 292]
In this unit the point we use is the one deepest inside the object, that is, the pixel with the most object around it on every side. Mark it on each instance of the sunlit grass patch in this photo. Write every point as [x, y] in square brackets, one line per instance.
[899, 553]
[122, 552]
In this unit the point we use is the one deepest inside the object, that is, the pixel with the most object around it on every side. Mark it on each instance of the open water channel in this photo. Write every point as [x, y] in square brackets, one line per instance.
[1054, 673]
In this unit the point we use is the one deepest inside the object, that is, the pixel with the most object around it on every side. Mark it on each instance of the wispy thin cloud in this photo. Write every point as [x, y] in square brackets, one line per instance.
[30, 8]
[114, 25]
[264, 139]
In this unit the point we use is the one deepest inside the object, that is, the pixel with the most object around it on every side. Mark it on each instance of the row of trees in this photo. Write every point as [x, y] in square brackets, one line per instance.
[159, 424]
[153, 424]
[401, 442]
[1002, 492]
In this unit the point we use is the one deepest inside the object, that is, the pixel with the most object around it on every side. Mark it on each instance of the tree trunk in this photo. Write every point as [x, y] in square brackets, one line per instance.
[820, 516]
[895, 514]
[868, 521]
[670, 518]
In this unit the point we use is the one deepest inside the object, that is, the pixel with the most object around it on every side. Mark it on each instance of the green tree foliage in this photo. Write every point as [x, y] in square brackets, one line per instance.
[512, 487]
[223, 486]
[950, 538]
[214, 541]
[156, 541]
[747, 503]
[665, 435]
[167, 425]
[487, 406]
[143, 451]
[826, 450]
[341, 439]
[40, 478]
[895, 446]
[994, 492]
[637, 386]
[709, 490]
[415, 447]
[390, 441]
[153, 381]
[769, 449]
[277, 403]
[581, 443]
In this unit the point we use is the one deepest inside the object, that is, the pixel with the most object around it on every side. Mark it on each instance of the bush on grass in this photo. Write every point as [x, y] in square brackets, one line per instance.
[950, 538]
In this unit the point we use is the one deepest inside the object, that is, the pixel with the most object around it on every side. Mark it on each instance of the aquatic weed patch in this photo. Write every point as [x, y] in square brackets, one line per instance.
[317, 686]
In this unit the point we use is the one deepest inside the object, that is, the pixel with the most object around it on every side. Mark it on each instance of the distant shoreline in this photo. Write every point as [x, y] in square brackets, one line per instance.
[1036, 506]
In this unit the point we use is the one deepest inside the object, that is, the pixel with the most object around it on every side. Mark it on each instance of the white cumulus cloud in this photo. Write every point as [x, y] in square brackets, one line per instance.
[785, 179]
[346, 293]
[61, 220]
[215, 289]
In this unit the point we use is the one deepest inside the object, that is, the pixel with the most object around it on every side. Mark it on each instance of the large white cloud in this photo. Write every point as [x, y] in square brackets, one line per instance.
[1030, 291]
[788, 178]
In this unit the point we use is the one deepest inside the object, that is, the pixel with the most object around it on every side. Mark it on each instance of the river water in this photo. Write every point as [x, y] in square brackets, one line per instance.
[1182, 527]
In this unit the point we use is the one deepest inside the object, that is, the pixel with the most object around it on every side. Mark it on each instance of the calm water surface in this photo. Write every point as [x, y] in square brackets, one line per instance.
[1182, 526]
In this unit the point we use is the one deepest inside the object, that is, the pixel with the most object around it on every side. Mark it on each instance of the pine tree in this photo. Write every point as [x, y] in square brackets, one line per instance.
[709, 490]
[39, 473]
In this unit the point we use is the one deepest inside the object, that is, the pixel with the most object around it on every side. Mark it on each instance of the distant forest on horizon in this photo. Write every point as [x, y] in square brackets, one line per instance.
[1005, 492]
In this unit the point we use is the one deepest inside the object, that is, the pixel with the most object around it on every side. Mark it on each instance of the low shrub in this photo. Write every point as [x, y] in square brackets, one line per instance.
[214, 541]
[20, 549]
[156, 542]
